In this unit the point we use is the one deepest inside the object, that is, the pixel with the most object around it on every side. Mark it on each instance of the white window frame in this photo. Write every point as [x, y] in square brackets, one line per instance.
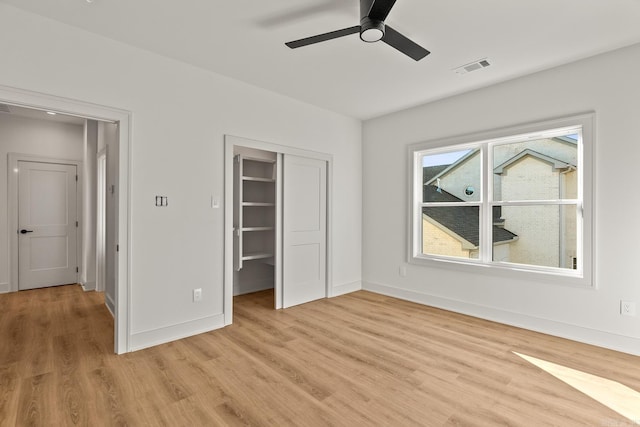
[583, 276]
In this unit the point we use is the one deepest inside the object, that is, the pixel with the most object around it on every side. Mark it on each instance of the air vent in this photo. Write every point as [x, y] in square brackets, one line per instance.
[473, 66]
[4, 108]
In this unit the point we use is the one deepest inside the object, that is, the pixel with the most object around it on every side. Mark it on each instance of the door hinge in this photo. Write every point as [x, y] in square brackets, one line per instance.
[76, 224]
[77, 270]
[76, 178]
[117, 248]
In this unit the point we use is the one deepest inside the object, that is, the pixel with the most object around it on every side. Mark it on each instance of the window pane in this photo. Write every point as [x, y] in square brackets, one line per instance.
[540, 169]
[452, 176]
[451, 231]
[544, 236]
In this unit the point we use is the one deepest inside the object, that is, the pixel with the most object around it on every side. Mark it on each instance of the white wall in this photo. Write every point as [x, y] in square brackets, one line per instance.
[180, 115]
[605, 84]
[34, 137]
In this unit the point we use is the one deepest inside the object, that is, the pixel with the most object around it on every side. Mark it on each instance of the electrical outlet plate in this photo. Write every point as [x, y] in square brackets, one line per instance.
[627, 308]
[402, 270]
[197, 295]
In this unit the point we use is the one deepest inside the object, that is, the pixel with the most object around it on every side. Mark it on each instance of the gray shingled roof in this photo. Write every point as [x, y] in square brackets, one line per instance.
[462, 220]
[430, 172]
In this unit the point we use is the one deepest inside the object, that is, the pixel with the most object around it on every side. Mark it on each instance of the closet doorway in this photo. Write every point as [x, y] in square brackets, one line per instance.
[276, 222]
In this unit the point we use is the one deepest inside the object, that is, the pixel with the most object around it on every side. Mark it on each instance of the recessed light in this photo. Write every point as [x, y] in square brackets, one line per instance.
[51, 113]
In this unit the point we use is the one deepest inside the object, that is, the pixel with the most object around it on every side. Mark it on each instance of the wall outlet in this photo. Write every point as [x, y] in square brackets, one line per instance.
[402, 270]
[627, 308]
[197, 295]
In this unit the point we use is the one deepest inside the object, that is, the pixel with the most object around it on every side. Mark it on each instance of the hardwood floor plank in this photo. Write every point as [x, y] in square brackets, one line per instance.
[37, 399]
[358, 359]
[9, 393]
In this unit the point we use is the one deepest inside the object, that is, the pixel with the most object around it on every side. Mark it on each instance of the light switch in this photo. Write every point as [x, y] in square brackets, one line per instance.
[162, 201]
[215, 202]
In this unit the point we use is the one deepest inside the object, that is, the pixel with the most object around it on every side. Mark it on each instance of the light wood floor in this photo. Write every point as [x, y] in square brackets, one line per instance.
[359, 359]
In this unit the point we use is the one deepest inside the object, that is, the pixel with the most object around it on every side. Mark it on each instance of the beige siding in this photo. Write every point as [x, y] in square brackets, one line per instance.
[569, 188]
[541, 239]
[563, 151]
[436, 241]
[462, 176]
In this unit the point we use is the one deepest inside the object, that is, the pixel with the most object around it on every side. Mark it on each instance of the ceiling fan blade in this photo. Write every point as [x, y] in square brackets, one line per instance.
[323, 37]
[380, 9]
[403, 44]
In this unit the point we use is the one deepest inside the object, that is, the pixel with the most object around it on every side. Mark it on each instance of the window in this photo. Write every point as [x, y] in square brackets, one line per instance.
[517, 200]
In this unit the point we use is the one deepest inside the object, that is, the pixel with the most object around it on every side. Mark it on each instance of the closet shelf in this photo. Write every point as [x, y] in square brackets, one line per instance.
[257, 179]
[258, 159]
[254, 214]
[258, 228]
[257, 204]
[256, 255]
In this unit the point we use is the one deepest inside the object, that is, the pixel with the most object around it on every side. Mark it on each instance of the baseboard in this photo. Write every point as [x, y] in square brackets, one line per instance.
[154, 337]
[110, 303]
[595, 337]
[346, 288]
[4, 288]
[252, 287]
[89, 286]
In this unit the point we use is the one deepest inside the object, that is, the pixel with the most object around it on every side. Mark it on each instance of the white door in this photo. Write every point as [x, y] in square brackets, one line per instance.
[46, 224]
[304, 230]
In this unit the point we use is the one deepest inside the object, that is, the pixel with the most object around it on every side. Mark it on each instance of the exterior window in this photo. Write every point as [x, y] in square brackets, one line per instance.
[518, 201]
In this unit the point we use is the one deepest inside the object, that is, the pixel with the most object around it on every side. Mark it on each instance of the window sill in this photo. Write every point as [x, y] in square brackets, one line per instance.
[510, 271]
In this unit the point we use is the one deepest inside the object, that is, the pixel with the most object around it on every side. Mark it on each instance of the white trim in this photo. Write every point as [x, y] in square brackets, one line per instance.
[101, 190]
[230, 142]
[4, 288]
[584, 277]
[12, 204]
[581, 334]
[110, 304]
[279, 272]
[346, 288]
[166, 334]
[89, 286]
[29, 99]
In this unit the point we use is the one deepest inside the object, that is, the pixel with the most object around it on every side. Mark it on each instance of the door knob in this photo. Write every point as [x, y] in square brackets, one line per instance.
[23, 231]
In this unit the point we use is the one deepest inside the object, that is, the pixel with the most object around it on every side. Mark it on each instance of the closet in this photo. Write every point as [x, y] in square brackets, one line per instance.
[254, 219]
[276, 222]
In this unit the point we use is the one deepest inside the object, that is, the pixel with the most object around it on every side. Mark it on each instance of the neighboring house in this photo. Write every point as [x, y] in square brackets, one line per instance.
[534, 170]
[453, 230]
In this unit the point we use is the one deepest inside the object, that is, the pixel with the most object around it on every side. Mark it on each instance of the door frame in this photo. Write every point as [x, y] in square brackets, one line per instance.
[101, 218]
[30, 99]
[12, 199]
[230, 142]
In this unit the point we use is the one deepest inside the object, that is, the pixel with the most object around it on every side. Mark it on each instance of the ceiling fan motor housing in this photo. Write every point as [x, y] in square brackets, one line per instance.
[371, 30]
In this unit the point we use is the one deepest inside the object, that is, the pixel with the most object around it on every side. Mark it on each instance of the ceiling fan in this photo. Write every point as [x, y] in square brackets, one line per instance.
[372, 29]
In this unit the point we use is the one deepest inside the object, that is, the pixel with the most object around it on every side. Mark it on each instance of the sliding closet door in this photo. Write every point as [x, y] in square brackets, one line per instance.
[304, 229]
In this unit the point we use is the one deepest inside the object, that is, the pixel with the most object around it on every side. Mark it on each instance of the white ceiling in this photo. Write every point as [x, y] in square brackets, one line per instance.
[244, 39]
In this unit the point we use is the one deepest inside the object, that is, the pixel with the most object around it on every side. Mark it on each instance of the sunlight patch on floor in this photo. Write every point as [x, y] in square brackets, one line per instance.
[622, 399]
